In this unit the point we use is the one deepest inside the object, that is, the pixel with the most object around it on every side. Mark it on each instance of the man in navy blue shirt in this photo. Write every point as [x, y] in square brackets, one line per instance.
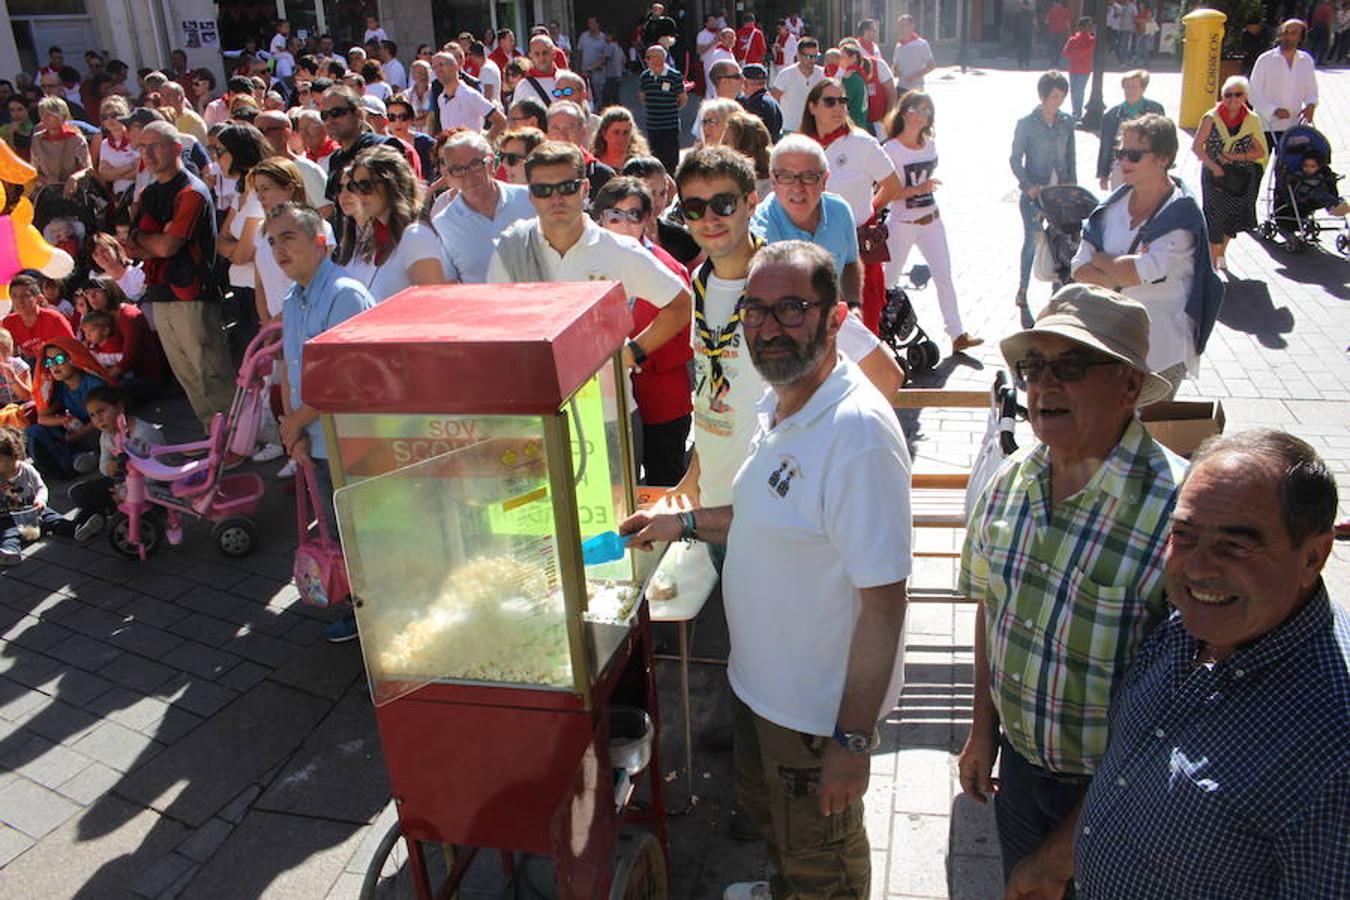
[1228, 769]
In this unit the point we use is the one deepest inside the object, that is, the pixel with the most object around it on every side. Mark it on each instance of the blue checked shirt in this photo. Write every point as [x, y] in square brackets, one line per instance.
[1227, 781]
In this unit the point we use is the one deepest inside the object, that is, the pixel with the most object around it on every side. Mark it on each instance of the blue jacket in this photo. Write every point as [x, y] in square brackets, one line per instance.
[1206, 299]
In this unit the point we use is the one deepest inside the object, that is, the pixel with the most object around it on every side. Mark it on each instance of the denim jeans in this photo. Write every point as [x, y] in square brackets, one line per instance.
[50, 521]
[1077, 87]
[1031, 224]
[1029, 804]
[47, 446]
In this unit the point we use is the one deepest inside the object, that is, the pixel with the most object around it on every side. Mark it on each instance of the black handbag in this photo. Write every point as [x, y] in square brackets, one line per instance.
[1235, 179]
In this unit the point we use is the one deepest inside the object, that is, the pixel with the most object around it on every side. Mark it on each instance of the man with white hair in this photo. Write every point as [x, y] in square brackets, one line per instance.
[460, 106]
[801, 209]
[483, 207]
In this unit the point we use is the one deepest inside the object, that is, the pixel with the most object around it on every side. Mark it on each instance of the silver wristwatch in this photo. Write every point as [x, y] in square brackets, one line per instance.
[858, 742]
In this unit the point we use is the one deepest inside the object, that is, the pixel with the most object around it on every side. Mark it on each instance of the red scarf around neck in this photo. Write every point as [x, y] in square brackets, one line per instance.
[1231, 120]
[826, 140]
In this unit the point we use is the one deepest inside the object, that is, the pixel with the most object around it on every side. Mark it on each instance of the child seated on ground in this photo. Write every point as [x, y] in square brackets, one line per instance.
[16, 384]
[63, 431]
[99, 329]
[96, 498]
[1315, 187]
[22, 488]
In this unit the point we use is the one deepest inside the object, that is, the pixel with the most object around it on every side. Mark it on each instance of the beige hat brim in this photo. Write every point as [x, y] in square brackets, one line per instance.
[1015, 347]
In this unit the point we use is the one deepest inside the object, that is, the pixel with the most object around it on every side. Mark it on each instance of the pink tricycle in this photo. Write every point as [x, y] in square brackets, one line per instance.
[159, 492]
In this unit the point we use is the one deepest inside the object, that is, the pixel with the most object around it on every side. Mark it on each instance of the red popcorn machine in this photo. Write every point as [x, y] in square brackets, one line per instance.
[477, 436]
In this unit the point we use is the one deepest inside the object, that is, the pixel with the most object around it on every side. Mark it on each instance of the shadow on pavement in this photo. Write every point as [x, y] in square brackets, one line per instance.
[1248, 307]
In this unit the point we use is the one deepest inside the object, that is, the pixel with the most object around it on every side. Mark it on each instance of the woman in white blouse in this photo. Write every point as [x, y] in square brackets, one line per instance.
[399, 251]
[238, 149]
[1147, 241]
[117, 159]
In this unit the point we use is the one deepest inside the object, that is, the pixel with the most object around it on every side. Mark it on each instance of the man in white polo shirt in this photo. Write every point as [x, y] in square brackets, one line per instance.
[482, 209]
[818, 552]
[793, 83]
[460, 106]
[564, 244]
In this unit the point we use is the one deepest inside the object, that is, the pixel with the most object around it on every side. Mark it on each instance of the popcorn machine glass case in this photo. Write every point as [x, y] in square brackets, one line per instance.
[462, 523]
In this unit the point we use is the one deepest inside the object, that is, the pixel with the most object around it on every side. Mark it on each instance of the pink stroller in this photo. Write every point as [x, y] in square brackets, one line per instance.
[158, 492]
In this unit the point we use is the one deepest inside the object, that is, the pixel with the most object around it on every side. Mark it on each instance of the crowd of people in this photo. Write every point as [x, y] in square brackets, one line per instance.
[318, 184]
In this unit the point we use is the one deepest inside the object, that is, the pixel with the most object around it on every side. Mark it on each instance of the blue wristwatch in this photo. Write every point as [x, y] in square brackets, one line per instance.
[857, 742]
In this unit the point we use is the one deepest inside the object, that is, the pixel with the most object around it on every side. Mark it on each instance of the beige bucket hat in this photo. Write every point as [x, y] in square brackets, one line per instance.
[1100, 319]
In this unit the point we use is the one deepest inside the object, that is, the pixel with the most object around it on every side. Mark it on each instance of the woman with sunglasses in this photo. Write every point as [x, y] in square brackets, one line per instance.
[402, 116]
[241, 148]
[860, 172]
[617, 138]
[512, 148]
[1147, 241]
[399, 251]
[117, 159]
[913, 219]
[1231, 145]
[661, 387]
[712, 120]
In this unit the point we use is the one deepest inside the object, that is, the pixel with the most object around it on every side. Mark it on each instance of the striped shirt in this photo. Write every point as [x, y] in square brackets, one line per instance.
[1228, 780]
[661, 94]
[1069, 592]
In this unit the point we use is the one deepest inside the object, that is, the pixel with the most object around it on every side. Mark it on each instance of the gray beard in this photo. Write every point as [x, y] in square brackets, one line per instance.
[785, 370]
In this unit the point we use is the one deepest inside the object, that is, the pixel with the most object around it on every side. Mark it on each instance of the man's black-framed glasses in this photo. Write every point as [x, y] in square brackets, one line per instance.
[784, 177]
[789, 312]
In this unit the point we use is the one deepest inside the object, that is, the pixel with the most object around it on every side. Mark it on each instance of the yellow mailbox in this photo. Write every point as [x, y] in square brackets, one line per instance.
[1203, 43]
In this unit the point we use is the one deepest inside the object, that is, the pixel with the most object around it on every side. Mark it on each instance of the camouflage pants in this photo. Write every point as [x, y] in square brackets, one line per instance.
[815, 857]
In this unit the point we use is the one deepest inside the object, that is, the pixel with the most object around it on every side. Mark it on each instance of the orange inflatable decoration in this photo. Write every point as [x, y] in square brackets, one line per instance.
[21, 244]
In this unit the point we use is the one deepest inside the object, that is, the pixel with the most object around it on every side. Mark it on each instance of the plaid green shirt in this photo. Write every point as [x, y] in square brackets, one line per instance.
[1068, 593]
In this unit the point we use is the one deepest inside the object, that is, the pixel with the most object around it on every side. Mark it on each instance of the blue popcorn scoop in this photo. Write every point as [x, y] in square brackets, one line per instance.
[603, 548]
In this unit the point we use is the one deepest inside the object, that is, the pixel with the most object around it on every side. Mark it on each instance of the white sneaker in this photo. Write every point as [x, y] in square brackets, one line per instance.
[267, 453]
[287, 471]
[89, 527]
[747, 890]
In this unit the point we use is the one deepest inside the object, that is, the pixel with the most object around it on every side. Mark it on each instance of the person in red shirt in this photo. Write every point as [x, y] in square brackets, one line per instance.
[1056, 30]
[506, 49]
[1078, 50]
[31, 324]
[661, 384]
[750, 44]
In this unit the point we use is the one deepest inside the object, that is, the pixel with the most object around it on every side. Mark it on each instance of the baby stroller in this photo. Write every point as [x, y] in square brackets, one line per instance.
[1063, 208]
[1289, 213]
[899, 327]
[161, 489]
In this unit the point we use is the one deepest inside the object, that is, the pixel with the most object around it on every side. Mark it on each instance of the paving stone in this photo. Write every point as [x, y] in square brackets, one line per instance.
[33, 634]
[262, 648]
[53, 606]
[137, 673]
[60, 722]
[95, 623]
[918, 856]
[262, 858]
[196, 694]
[173, 726]
[306, 632]
[212, 602]
[12, 843]
[21, 701]
[53, 578]
[179, 887]
[28, 667]
[77, 687]
[154, 612]
[95, 855]
[161, 875]
[92, 782]
[117, 746]
[138, 637]
[324, 669]
[239, 807]
[161, 585]
[216, 575]
[113, 569]
[200, 659]
[33, 809]
[53, 765]
[198, 775]
[131, 709]
[205, 629]
[206, 840]
[339, 772]
[85, 652]
[244, 676]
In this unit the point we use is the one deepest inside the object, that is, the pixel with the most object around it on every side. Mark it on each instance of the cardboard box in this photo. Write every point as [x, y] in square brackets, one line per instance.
[1181, 426]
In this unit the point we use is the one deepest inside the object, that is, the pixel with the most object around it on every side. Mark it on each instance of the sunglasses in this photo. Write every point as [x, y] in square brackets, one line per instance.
[696, 208]
[563, 92]
[1064, 368]
[785, 178]
[614, 216]
[565, 188]
[363, 186]
[1132, 155]
[400, 117]
[789, 313]
[832, 102]
[336, 112]
[460, 171]
[510, 159]
[59, 359]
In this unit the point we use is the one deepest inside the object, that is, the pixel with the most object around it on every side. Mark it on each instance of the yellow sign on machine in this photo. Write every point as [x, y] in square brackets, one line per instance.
[1201, 51]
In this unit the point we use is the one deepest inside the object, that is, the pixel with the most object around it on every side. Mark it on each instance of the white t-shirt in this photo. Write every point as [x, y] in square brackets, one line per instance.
[711, 58]
[525, 88]
[724, 426]
[276, 283]
[283, 66]
[315, 178]
[1166, 272]
[379, 89]
[914, 167]
[118, 156]
[491, 77]
[822, 511]
[790, 49]
[132, 282]
[466, 108]
[908, 61]
[374, 34]
[241, 274]
[703, 43]
[419, 242]
[277, 44]
[795, 86]
[395, 74]
[857, 162]
[598, 255]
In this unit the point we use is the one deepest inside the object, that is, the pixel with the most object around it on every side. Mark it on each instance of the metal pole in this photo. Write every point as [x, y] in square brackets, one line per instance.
[962, 55]
[1092, 112]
